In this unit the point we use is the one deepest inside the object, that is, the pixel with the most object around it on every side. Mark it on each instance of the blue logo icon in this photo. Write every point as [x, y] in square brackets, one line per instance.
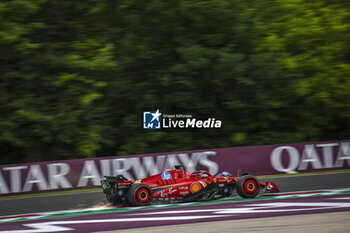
[151, 120]
[166, 176]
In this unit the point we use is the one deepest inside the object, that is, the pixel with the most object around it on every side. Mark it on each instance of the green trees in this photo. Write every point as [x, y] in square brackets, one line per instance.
[76, 75]
[309, 39]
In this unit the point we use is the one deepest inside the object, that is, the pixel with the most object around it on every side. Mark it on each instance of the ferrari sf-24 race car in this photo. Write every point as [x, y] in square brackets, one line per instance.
[178, 186]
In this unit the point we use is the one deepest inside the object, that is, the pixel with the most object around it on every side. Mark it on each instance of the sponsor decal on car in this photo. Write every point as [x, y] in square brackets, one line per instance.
[166, 176]
[105, 184]
[184, 193]
[195, 187]
[167, 192]
[269, 186]
[203, 184]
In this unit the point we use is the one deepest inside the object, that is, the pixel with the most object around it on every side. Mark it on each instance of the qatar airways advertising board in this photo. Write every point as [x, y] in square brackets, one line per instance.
[258, 160]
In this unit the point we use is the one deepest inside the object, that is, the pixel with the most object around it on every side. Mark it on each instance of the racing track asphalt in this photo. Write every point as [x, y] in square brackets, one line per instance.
[334, 222]
[89, 199]
[216, 212]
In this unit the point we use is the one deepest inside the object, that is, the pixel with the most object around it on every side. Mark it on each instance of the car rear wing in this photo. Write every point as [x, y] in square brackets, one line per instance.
[114, 183]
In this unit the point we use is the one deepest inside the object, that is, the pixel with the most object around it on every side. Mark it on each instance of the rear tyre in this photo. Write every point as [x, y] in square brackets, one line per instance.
[248, 186]
[112, 199]
[140, 195]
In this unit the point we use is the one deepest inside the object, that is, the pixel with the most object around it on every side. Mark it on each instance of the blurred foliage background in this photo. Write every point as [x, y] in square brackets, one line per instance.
[75, 76]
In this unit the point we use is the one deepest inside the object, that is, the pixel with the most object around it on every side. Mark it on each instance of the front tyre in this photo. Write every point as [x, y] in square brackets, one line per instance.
[248, 186]
[140, 195]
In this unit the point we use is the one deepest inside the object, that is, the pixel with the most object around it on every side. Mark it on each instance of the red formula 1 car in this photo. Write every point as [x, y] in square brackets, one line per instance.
[176, 186]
